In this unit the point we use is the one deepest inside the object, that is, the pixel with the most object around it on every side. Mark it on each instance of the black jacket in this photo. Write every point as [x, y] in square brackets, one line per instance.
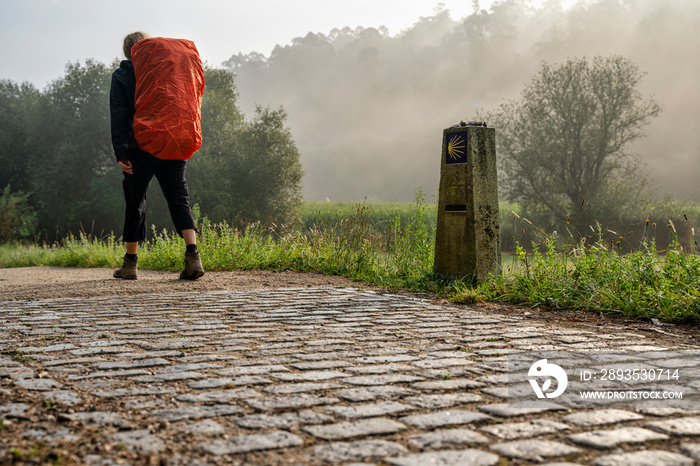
[122, 109]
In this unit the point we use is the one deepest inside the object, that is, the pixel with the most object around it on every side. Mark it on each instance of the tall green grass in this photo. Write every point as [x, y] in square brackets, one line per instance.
[392, 247]
[397, 253]
[644, 283]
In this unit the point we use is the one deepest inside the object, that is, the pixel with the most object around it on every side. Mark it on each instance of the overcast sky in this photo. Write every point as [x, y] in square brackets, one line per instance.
[38, 37]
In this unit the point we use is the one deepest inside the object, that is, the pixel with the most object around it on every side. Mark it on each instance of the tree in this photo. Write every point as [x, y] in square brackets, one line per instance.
[267, 175]
[59, 160]
[246, 171]
[221, 120]
[565, 146]
[16, 105]
[75, 179]
[17, 218]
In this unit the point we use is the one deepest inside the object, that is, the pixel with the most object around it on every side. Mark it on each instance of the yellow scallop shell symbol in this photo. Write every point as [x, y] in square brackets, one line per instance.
[455, 148]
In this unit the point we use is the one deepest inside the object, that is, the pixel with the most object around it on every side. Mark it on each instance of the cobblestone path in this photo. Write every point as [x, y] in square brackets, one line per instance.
[306, 376]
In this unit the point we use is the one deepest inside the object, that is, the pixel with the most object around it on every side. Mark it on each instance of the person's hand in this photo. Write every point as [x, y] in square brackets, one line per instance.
[126, 166]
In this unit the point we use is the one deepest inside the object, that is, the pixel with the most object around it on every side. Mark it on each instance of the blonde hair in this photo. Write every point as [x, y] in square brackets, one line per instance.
[131, 39]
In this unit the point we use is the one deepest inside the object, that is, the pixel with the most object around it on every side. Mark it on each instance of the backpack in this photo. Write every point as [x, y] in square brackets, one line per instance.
[168, 99]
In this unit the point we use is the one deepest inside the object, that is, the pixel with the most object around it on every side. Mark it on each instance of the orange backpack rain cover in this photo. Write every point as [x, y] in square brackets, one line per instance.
[168, 100]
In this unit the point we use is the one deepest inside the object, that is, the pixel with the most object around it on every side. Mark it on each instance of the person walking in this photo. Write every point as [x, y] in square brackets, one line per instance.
[139, 167]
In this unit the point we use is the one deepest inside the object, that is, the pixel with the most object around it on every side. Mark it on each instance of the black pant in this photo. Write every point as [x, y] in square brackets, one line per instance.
[171, 177]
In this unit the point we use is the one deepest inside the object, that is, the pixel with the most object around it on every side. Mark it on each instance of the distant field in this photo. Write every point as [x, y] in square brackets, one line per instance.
[382, 216]
[377, 214]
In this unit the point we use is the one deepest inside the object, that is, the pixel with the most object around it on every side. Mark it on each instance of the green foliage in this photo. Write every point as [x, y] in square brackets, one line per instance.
[17, 218]
[644, 283]
[416, 236]
[74, 178]
[208, 170]
[564, 146]
[399, 256]
[17, 103]
[266, 183]
[246, 171]
[57, 149]
[378, 214]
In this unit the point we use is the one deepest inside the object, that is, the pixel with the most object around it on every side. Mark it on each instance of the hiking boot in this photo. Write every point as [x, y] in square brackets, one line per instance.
[128, 269]
[193, 267]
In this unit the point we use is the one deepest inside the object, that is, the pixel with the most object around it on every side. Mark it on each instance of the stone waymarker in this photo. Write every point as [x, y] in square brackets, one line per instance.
[468, 239]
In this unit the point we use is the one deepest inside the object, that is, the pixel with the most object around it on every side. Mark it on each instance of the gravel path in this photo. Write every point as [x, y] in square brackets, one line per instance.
[32, 283]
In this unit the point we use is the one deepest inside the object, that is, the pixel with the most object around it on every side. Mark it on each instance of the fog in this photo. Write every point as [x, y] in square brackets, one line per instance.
[367, 109]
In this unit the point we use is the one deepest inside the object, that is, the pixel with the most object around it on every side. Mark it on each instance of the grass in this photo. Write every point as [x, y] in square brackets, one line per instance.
[393, 252]
[645, 283]
[392, 246]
